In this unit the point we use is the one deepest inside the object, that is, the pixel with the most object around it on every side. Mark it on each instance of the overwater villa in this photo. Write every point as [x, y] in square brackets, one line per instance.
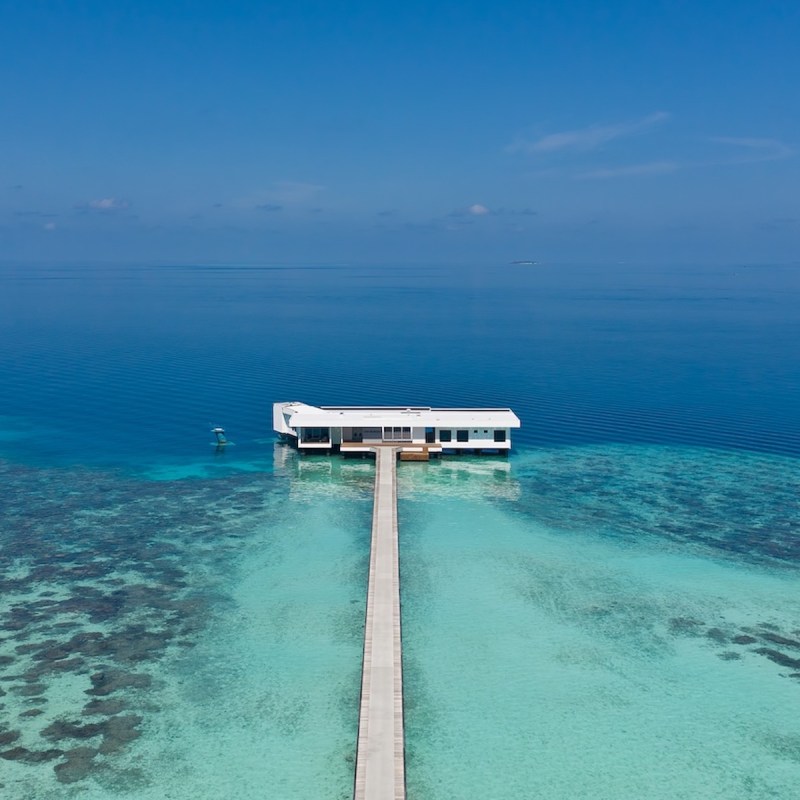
[416, 431]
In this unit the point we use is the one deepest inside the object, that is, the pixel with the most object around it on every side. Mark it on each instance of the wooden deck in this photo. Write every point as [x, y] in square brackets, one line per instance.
[346, 445]
[422, 455]
[409, 451]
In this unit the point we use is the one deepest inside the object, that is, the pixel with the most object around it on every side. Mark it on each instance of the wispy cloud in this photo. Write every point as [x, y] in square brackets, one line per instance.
[514, 212]
[104, 204]
[756, 149]
[587, 138]
[475, 210]
[294, 191]
[480, 210]
[287, 193]
[745, 150]
[779, 224]
[280, 195]
[631, 170]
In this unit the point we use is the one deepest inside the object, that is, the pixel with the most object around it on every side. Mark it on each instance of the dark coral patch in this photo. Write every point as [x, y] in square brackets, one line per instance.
[744, 639]
[89, 643]
[7, 737]
[779, 658]
[52, 653]
[685, 626]
[94, 569]
[29, 690]
[108, 681]
[30, 756]
[775, 638]
[717, 635]
[116, 731]
[64, 729]
[119, 731]
[75, 664]
[136, 643]
[110, 706]
[77, 766]
[32, 647]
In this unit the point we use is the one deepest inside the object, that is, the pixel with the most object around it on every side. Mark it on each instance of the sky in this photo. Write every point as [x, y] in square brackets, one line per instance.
[377, 132]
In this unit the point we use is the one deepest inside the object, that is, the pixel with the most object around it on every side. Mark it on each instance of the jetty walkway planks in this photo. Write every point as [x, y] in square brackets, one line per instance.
[380, 768]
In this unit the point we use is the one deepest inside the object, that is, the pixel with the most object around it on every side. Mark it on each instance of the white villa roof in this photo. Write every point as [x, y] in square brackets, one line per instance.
[304, 416]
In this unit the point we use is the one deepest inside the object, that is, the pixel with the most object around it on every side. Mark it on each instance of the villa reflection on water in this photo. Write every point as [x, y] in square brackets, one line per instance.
[321, 474]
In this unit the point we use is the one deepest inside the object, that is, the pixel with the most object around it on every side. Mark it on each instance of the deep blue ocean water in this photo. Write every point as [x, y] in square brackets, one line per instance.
[210, 604]
[112, 363]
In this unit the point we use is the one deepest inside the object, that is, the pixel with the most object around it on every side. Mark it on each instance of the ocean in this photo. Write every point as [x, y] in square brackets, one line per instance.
[613, 611]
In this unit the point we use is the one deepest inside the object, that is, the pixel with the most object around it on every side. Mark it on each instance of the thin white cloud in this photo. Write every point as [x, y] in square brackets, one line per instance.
[587, 138]
[480, 210]
[49, 226]
[475, 210]
[295, 191]
[756, 149]
[651, 168]
[742, 151]
[284, 193]
[751, 151]
[108, 204]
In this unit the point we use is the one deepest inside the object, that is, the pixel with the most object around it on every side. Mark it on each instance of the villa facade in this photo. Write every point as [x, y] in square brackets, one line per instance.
[415, 429]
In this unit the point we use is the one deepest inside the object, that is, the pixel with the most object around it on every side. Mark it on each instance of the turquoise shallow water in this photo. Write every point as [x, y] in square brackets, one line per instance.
[548, 656]
[183, 639]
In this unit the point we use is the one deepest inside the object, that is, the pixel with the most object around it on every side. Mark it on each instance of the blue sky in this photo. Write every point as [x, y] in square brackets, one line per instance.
[357, 131]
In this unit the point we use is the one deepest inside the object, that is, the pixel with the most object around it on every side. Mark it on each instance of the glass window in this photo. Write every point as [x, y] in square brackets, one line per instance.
[462, 436]
[316, 434]
[499, 436]
[445, 436]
